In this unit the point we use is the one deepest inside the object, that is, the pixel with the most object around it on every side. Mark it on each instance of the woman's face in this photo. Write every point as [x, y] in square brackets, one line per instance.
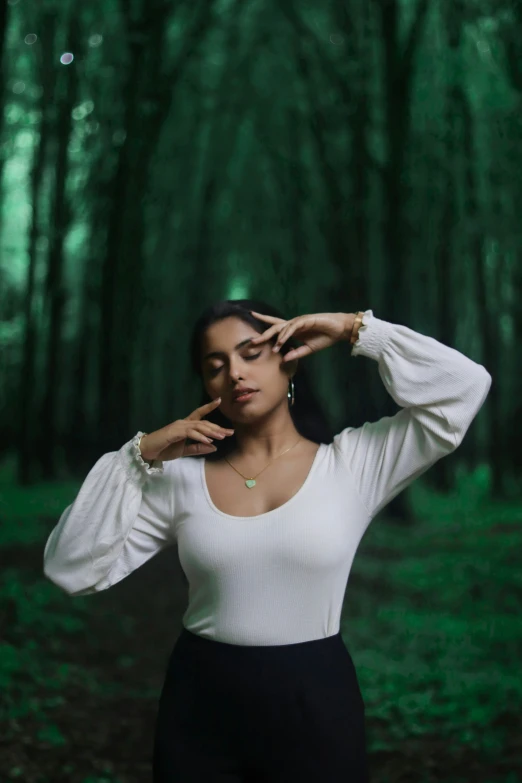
[235, 363]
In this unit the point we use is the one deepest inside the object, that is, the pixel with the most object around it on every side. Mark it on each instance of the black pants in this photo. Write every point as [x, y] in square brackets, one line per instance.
[280, 714]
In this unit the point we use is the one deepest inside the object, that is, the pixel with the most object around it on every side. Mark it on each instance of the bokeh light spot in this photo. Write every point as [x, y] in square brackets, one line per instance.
[82, 110]
[336, 39]
[18, 87]
[96, 40]
[66, 58]
[30, 39]
[25, 139]
[118, 137]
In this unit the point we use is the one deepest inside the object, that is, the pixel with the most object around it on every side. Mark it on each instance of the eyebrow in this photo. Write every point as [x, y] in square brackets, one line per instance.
[222, 353]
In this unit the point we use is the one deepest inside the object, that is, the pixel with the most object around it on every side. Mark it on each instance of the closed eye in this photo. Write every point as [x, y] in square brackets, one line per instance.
[247, 358]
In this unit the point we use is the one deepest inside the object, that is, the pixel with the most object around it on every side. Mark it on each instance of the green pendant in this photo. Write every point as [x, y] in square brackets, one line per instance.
[250, 483]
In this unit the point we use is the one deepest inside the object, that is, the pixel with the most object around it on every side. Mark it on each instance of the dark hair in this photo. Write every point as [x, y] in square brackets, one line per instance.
[307, 414]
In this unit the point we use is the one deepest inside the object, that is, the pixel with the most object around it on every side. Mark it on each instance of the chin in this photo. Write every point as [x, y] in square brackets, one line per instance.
[242, 412]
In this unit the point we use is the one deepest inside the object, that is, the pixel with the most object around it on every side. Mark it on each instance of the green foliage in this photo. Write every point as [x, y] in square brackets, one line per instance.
[26, 517]
[51, 734]
[432, 622]
[37, 607]
[430, 618]
[103, 779]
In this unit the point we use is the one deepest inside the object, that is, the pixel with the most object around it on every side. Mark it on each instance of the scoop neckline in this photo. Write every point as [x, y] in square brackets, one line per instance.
[284, 506]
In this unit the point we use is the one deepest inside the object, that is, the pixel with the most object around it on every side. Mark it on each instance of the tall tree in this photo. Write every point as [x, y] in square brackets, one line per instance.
[147, 98]
[4, 20]
[27, 415]
[66, 91]
[398, 72]
[445, 250]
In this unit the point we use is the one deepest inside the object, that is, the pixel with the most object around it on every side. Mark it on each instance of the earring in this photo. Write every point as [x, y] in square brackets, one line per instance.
[291, 395]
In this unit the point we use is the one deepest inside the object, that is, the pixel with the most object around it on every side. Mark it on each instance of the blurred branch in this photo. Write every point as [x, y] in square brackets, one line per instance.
[3, 31]
[152, 24]
[414, 34]
[512, 45]
[331, 73]
[300, 27]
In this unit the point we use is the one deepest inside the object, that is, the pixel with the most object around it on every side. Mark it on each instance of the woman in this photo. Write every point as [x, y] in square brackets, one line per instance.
[260, 687]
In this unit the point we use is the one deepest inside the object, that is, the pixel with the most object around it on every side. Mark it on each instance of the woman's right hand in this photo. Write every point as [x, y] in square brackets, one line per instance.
[170, 442]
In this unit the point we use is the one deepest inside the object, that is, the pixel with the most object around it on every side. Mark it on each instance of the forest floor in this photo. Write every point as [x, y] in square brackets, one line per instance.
[431, 618]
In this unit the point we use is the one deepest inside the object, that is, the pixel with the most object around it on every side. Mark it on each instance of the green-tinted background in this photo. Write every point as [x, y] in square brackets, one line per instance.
[332, 155]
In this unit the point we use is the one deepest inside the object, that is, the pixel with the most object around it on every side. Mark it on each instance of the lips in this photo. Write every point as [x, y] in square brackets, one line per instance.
[243, 392]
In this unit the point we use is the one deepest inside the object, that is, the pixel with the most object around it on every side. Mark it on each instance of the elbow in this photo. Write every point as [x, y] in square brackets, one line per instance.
[488, 380]
[482, 387]
[474, 399]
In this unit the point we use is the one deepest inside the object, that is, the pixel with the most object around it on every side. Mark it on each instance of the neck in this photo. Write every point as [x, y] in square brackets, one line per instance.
[265, 439]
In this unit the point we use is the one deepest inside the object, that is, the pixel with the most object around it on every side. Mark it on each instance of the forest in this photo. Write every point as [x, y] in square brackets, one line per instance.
[157, 156]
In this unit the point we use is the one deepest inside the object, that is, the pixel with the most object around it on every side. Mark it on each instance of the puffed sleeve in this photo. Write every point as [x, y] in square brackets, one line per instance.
[122, 516]
[440, 391]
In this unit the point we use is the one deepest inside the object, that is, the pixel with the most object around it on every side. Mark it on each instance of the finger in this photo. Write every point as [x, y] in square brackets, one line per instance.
[268, 334]
[211, 404]
[195, 435]
[284, 334]
[300, 323]
[297, 353]
[272, 319]
[215, 430]
[204, 410]
[199, 448]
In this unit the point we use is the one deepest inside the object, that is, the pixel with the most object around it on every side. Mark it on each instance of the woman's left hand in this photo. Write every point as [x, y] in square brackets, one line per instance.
[317, 331]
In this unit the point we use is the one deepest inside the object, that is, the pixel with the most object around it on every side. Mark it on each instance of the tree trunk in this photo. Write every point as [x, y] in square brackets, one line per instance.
[398, 76]
[147, 85]
[66, 93]
[27, 453]
[81, 441]
[398, 80]
[441, 476]
[3, 76]
[489, 324]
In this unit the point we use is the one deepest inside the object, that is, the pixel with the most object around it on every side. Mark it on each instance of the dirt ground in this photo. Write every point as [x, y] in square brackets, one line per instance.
[130, 632]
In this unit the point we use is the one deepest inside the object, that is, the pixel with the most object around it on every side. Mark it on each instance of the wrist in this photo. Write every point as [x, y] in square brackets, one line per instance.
[140, 447]
[349, 319]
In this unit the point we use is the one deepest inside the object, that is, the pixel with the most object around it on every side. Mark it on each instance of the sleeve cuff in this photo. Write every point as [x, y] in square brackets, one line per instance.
[134, 463]
[372, 337]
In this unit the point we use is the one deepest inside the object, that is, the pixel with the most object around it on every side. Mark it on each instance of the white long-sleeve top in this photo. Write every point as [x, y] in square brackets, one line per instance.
[279, 577]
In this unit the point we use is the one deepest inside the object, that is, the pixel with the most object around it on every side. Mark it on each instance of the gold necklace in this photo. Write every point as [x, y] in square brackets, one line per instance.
[251, 482]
